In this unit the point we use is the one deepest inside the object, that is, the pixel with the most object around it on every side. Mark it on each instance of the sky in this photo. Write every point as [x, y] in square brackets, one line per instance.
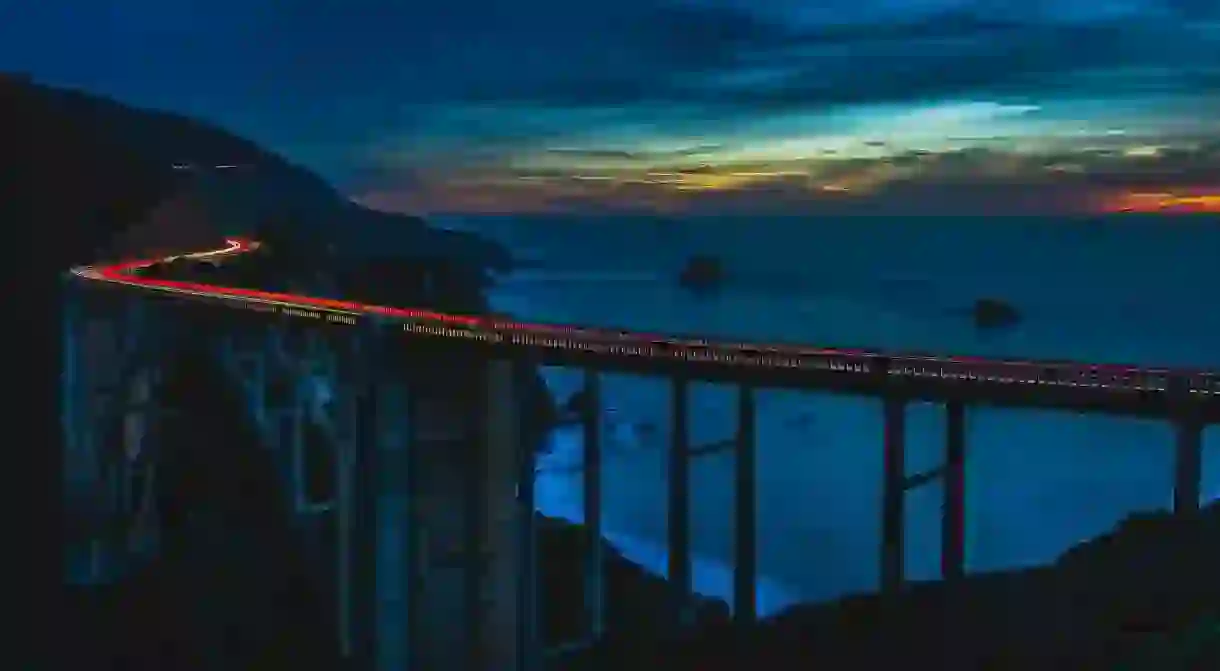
[678, 106]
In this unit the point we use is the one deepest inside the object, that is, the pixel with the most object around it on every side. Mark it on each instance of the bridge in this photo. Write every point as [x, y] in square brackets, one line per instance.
[393, 508]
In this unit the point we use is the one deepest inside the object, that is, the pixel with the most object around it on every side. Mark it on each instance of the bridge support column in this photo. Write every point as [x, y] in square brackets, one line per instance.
[1187, 465]
[298, 421]
[356, 522]
[144, 345]
[897, 483]
[69, 379]
[376, 534]
[249, 370]
[501, 577]
[894, 486]
[953, 512]
[745, 517]
[594, 564]
[953, 533]
[375, 517]
[137, 465]
[471, 567]
[1188, 449]
[527, 636]
[108, 413]
[110, 398]
[82, 458]
[678, 522]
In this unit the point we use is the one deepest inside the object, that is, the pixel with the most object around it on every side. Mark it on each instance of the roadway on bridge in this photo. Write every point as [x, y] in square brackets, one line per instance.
[603, 341]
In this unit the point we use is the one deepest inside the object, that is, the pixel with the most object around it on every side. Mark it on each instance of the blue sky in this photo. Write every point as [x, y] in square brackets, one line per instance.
[673, 105]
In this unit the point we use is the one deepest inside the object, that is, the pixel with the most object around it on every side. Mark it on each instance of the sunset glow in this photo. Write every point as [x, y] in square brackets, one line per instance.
[1168, 203]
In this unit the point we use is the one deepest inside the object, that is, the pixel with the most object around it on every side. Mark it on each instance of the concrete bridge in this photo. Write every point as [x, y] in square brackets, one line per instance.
[415, 503]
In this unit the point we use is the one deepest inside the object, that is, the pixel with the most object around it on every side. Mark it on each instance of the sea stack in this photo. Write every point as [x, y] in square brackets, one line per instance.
[992, 313]
[702, 274]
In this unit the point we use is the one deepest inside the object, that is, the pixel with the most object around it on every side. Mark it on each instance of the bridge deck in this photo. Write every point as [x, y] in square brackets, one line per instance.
[1190, 395]
[1189, 399]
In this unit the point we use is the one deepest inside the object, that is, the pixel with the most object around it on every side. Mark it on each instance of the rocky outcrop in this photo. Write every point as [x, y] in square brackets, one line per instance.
[702, 274]
[1147, 591]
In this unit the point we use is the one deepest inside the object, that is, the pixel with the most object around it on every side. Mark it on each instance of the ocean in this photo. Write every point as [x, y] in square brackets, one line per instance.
[1133, 289]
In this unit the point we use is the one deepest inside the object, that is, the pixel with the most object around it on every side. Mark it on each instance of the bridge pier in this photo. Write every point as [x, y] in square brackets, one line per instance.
[953, 513]
[109, 414]
[506, 583]
[1188, 449]
[745, 513]
[893, 508]
[896, 483]
[84, 459]
[367, 520]
[594, 561]
[344, 457]
[678, 517]
[82, 466]
[1188, 465]
[137, 467]
[435, 528]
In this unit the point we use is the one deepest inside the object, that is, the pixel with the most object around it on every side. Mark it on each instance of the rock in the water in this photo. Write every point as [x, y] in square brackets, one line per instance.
[992, 313]
[702, 274]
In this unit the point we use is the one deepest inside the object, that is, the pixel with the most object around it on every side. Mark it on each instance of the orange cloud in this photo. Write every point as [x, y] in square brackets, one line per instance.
[1165, 202]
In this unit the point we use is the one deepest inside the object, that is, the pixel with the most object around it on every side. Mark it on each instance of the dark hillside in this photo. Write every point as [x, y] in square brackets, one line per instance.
[1146, 595]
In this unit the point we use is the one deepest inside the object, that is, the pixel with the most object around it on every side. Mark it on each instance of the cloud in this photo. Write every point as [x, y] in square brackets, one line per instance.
[634, 155]
[908, 65]
[699, 170]
[709, 68]
[555, 52]
[413, 94]
[971, 180]
[386, 55]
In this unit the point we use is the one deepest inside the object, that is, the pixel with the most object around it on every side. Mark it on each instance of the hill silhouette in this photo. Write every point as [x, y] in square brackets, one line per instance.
[1144, 596]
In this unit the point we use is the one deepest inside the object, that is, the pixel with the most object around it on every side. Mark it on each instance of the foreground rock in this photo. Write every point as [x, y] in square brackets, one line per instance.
[1109, 601]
